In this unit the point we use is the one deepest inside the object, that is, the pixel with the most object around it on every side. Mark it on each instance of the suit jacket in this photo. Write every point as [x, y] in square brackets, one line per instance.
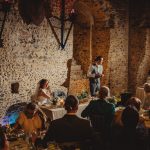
[128, 139]
[67, 129]
[101, 107]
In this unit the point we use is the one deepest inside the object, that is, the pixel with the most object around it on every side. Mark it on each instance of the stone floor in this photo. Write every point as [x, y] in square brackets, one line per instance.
[20, 144]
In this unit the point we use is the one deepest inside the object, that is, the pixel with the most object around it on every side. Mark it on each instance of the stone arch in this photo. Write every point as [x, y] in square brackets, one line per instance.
[83, 10]
[99, 13]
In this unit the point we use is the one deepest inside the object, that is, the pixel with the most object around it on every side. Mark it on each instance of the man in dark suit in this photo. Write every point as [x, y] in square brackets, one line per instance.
[70, 127]
[101, 107]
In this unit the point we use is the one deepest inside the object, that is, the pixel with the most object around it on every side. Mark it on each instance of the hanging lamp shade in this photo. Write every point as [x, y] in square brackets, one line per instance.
[32, 11]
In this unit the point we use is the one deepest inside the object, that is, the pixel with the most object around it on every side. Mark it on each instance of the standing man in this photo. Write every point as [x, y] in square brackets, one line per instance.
[94, 74]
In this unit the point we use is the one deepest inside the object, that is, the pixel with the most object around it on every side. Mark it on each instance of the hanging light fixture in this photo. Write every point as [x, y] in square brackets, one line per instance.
[4, 9]
[62, 12]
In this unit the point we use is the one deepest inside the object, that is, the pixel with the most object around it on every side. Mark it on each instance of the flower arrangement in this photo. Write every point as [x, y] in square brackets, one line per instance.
[84, 94]
[114, 99]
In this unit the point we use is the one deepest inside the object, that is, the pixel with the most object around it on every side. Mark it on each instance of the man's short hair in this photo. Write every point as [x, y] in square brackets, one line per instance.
[71, 103]
[134, 101]
[130, 117]
[31, 106]
[104, 91]
[98, 58]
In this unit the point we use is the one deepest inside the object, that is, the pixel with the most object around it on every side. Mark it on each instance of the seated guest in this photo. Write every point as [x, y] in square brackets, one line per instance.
[29, 120]
[68, 128]
[146, 103]
[4, 145]
[124, 98]
[43, 93]
[133, 101]
[101, 107]
[128, 137]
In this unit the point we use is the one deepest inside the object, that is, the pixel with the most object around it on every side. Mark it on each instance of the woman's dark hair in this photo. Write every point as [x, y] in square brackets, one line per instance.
[130, 117]
[31, 106]
[134, 101]
[42, 83]
[71, 103]
[124, 98]
[2, 138]
[98, 58]
[147, 88]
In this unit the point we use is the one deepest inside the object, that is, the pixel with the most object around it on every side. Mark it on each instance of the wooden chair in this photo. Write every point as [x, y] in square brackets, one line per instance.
[99, 125]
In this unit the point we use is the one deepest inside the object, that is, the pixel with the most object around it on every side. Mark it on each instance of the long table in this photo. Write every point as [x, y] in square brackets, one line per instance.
[56, 113]
[53, 113]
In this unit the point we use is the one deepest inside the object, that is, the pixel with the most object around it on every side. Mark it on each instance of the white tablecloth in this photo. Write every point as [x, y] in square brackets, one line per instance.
[60, 112]
[55, 113]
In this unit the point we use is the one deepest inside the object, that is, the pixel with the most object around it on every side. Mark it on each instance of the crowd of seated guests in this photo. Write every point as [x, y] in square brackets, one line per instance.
[133, 101]
[70, 128]
[128, 137]
[126, 131]
[103, 127]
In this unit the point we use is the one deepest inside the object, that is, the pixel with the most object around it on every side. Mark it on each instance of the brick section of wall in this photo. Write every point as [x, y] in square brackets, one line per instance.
[30, 54]
[136, 55]
[81, 47]
[118, 56]
[101, 44]
[78, 86]
[78, 82]
[144, 66]
[138, 47]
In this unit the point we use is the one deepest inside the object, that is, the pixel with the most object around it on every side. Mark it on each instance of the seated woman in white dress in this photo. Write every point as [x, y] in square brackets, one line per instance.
[146, 103]
[43, 92]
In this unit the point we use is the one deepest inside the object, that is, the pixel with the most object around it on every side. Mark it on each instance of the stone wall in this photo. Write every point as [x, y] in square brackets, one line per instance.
[138, 43]
[101, 45]
[30, 54]
[81, 46]
[144, 66]
[109, 41]
[118, 52]
[118, 57]
[136, 55]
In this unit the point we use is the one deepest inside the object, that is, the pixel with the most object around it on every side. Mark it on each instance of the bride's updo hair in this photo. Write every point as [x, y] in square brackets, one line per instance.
[71, 103]
[42, 83]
